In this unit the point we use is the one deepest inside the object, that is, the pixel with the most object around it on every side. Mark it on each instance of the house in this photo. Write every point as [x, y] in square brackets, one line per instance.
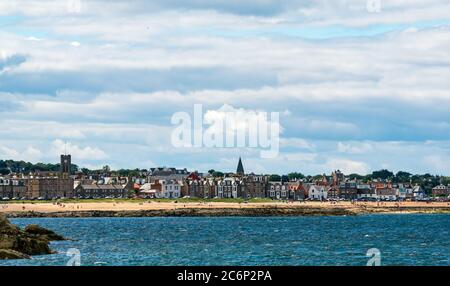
[254, 186]
[146, 191]
[278, 190]
[348, 190]
[95, 191]
[297, 191]
[333, 192]
[167, 174]
[12, 188]
[387, 194]
[316, 192]
[440, 191]
[418, 193]
[49, 187]
[201, 188]
[230, 187]
[367, 193]
[167, 189]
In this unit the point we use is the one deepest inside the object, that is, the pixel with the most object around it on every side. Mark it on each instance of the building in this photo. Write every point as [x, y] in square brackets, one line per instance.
[98, 191]
[254, 186]
[348, 190]
[164, 173]
[278, 191]
[49, 187]
[169, 189]
[333, 193]
[440, 191]
[240, 168]
[297, 191]
[201, 188]
[229, 188]
[316, 192]
[418, 193]
[12, 188]
[387, 194]
[65, 166]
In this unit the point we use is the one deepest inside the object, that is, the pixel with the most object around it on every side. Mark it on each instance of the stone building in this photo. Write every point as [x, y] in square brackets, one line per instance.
[254, 186]
[12, 188]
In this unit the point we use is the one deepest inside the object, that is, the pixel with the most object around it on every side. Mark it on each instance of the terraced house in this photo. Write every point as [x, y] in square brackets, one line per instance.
[13, 188]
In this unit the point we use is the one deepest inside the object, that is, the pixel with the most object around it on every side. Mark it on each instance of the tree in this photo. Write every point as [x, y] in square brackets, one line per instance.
[355, 176]
[217, 174]
[4, 171]
[106, 169]
[275, 178]
[401, 177]
[382, 174]
[295, 176]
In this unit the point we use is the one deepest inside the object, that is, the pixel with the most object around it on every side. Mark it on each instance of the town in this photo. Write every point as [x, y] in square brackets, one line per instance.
[170, 183]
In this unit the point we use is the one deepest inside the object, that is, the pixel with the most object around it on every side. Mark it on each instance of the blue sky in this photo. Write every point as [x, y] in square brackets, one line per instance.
[356, 90]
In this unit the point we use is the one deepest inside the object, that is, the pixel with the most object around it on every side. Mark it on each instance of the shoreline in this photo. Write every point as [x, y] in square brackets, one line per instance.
[216, 209]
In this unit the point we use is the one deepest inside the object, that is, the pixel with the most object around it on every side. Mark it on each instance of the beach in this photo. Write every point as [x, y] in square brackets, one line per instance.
[173, 208]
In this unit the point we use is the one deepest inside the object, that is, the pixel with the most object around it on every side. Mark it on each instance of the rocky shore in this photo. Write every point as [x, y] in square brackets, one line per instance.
[216, 212]
[21, 244]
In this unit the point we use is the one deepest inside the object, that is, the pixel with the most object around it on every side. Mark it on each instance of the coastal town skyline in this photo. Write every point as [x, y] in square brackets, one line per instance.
[24, 181]
[4, 168]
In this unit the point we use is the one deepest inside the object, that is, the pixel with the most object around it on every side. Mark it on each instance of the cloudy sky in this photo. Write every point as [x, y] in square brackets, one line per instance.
[358, 88]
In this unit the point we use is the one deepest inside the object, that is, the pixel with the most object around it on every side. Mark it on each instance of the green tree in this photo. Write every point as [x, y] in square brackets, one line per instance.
[217, 174]
[275, 178]
[295, 176]
[382, 174]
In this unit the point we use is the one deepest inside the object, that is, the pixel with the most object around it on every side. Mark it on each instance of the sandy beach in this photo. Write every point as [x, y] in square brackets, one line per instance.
[179, 208]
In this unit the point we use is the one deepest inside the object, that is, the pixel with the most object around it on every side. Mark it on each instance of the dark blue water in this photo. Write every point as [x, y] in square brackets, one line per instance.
[339, 240]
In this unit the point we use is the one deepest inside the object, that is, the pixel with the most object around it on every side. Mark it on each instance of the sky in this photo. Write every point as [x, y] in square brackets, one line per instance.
[357, 88]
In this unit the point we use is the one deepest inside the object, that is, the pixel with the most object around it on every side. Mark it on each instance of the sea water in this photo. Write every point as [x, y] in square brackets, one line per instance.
[413, 239]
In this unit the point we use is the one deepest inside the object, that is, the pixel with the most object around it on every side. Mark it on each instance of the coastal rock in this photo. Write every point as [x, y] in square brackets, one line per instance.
[19, 244]
[12, 254]
[42, 233]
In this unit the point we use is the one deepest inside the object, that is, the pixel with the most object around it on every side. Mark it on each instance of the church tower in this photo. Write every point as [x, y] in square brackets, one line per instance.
[240, 168]
[66, 164]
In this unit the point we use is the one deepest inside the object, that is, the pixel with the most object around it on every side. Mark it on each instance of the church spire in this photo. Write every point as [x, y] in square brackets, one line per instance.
[240, 168]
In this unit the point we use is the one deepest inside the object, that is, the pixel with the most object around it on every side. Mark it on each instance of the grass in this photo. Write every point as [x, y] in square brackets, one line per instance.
[180, 200]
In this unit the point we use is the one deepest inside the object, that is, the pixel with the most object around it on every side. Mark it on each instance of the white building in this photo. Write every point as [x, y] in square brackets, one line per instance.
[317, 193]
[169, 189]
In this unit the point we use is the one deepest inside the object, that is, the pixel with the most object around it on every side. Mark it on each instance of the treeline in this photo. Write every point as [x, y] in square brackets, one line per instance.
[11, 166]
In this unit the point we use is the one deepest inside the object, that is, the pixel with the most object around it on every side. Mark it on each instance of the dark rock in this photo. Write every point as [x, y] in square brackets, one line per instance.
[16, 243]
[6, 227]
[42, 233]
[12, 254]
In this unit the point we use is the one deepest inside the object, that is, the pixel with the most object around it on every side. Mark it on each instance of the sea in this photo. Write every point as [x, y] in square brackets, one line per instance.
[396, 239]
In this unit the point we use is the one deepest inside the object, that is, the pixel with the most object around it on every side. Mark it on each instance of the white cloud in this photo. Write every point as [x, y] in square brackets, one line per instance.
[346, 166]
[139, 62]
[355, 147]
[30, 153]
[81, 153]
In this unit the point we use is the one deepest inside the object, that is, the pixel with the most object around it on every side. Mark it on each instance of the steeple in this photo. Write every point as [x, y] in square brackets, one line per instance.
[240, 168]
